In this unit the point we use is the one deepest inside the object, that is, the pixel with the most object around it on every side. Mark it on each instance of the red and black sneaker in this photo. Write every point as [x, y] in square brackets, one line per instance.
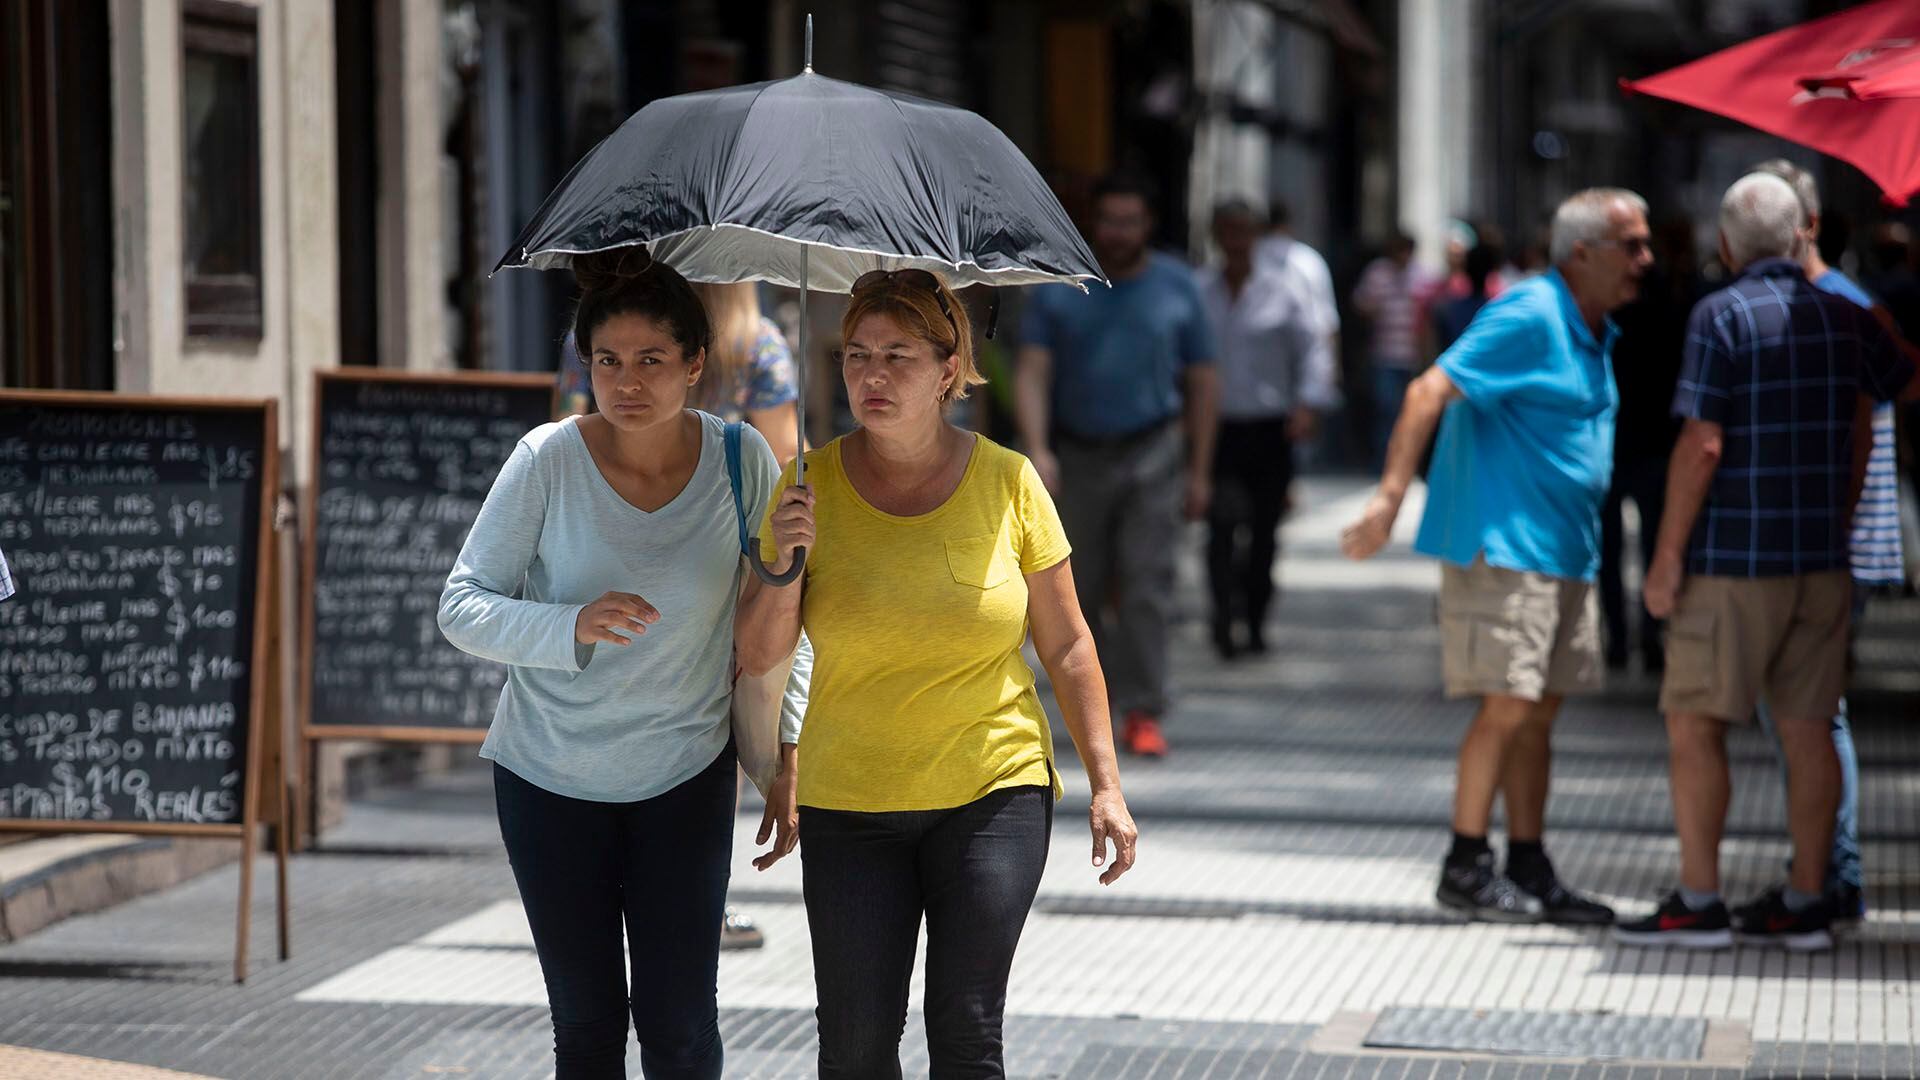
[1769, 921]
[1677, 926]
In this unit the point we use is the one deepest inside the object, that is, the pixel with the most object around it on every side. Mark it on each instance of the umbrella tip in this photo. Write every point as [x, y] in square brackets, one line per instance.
[807, 69]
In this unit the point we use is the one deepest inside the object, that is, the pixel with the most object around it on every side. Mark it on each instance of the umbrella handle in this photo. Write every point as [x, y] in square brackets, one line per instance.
[760, 568]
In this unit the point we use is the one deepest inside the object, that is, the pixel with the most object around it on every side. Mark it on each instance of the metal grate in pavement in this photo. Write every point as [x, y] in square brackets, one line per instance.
[1540, 1034]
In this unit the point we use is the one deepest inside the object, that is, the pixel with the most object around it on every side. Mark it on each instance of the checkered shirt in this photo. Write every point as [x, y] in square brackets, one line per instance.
[1779, 365]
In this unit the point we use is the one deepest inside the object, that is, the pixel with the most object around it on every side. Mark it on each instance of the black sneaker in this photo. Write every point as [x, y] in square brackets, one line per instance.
[1485, 895]
[1223, 642]
[1677, 926]
[1848, 903]
[1768, 921]
[1563, 906]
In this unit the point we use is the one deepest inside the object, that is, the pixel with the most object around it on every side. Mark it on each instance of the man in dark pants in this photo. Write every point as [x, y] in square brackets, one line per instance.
[1646, 362]
[1110, 379]
[1276, 376]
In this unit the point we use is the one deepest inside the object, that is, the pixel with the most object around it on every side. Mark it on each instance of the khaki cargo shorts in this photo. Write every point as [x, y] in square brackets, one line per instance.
[1517, 633]
[1732, 639]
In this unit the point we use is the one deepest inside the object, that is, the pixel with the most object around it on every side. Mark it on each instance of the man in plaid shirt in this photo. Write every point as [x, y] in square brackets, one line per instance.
[1752, 558]
[6, 578]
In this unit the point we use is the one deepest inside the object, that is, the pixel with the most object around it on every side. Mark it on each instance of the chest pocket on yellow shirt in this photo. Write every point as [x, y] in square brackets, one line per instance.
[979, 561]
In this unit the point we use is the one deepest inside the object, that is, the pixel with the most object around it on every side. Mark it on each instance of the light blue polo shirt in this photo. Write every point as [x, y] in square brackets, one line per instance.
[1523, 462]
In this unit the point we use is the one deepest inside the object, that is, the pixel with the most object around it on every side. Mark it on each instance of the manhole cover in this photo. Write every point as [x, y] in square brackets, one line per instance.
[1540, 1034]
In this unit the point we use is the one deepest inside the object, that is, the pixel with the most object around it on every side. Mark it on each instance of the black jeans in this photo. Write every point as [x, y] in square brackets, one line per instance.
[1252, 469]
[660, 866]
[973, 870]
[1645, 483]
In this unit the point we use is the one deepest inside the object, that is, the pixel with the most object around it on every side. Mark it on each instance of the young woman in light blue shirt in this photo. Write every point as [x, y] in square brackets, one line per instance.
[605, 570]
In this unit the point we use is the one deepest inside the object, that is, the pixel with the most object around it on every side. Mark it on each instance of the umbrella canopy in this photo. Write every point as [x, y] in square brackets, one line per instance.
[738, 184]
[1846, 85]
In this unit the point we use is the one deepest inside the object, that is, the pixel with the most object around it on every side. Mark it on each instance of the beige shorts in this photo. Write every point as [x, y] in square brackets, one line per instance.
[1517, 633]
[1731, 640]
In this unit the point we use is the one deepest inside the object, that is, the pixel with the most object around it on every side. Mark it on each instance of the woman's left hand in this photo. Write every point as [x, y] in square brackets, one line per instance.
[1110, 820]
[781, 821]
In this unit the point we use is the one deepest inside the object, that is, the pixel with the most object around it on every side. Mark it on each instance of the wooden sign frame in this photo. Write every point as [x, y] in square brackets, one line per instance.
[310, 541]
[263, 740]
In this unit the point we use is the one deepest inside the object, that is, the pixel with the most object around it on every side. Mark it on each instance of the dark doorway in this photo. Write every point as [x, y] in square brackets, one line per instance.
[357, 95]
[56, 196]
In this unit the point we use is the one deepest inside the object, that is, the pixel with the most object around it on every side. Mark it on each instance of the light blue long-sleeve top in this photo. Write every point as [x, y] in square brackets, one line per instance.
[608, 723]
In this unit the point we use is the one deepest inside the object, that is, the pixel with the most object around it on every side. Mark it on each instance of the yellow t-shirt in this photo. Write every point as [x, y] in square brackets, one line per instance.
[921, 699]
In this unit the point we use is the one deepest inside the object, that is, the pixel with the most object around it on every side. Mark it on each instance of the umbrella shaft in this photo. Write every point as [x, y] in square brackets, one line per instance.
[800, 370]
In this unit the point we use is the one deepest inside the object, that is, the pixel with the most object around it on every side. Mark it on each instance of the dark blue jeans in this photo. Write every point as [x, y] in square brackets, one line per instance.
[660, 866]
[973, 871]
[1644, 483]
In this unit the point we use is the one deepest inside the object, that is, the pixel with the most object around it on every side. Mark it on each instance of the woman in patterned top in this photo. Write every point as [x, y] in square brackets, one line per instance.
[751, 370]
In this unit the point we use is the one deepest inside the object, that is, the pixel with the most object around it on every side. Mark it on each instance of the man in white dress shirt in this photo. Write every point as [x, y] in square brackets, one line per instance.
[1276, 376]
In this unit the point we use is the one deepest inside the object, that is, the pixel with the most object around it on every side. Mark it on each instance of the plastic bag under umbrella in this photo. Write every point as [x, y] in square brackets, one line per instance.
[810, 182]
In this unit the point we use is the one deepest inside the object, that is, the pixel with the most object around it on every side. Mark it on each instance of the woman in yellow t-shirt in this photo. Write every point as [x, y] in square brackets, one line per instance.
[927, 779]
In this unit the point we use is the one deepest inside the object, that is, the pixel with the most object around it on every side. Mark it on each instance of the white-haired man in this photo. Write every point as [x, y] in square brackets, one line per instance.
[1513, 513]
[1751, 563]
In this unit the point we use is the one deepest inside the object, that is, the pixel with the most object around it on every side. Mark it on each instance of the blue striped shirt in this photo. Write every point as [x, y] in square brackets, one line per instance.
[1875, 544]
[1779, 365]
[6, 578]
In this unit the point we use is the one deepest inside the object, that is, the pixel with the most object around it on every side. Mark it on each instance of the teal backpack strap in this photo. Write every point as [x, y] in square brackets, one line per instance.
[732, 441]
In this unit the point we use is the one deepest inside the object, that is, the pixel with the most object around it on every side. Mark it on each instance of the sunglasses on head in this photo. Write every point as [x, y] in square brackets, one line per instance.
[923, 279]
[912, 279]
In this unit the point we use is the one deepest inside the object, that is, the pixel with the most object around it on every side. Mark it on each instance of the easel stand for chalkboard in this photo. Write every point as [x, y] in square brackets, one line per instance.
[87, 465]
[402, 461]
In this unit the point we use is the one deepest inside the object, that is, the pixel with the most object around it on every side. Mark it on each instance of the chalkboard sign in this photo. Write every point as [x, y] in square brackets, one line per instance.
[130, 693]
[403, 463]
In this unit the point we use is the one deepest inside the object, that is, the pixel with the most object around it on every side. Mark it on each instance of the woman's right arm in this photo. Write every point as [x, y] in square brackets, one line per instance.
[479, 611]
[768, 625]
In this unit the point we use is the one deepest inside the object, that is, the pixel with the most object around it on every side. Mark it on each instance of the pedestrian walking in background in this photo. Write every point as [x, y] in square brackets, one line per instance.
[1109, 380]
[750, 369]
[1276, 378]
[1392, 293]
[1459, 282]
[1452, 315]
[1282, 251]
[1875, 556]
[1513, 513]
[930, 772]
[1752, 558]
[604, 570]
[1646, 364]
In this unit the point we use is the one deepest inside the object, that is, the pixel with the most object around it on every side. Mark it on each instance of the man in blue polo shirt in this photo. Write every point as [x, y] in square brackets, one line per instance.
[1752, 559]
[1522, 467]
[1110, 381]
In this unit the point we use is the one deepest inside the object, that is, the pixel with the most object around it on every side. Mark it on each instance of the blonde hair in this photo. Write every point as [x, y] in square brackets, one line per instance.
[935, 317]
[734, 312]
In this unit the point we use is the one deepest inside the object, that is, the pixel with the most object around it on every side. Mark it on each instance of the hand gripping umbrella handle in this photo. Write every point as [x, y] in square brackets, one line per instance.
[760, 568]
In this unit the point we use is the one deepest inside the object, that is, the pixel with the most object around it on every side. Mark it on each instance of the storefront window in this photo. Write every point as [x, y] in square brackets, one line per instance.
[221, 120]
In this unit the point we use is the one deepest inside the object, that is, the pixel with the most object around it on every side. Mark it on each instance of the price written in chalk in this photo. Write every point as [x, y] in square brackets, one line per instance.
[403, 473]
[125, 665]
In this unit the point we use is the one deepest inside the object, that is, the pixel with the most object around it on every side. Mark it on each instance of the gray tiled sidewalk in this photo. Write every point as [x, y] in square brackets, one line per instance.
[1288, 849]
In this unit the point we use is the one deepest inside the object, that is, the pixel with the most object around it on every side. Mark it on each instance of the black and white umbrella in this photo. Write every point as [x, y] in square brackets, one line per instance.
[810, 182]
